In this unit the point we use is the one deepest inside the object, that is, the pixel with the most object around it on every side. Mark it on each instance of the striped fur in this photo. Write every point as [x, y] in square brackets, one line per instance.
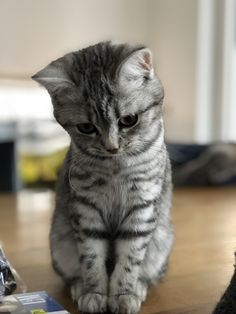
[111, 232]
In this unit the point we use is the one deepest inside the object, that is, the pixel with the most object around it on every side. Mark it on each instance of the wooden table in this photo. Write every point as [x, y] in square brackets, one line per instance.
[201, 264]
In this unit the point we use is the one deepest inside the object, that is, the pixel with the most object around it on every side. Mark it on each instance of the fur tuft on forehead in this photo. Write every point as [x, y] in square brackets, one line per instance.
[102, 76]
[102, 61]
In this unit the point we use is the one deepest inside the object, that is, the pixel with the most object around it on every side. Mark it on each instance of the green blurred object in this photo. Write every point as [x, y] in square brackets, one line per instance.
[40, 171]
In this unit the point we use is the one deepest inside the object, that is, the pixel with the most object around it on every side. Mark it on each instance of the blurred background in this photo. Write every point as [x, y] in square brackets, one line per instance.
[194, 48]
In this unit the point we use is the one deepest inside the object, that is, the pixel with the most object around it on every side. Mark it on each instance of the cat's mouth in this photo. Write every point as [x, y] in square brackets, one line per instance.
[100, 153]
[110, 154]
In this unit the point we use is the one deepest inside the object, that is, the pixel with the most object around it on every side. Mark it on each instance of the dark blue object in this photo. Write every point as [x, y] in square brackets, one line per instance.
[203, 165]
[8, 177]
[183, 153]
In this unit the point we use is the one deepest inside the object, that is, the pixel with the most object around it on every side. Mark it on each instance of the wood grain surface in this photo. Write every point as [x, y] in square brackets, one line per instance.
[201, 263]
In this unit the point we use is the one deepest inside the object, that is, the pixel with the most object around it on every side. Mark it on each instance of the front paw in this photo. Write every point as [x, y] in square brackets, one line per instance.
[124, 304]
[76, 290]
[92, 303]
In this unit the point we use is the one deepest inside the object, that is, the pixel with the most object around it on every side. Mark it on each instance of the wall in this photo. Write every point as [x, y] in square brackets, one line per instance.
[174, 40]
[32, 33]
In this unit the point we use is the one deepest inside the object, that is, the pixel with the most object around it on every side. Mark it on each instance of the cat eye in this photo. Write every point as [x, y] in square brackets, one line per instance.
[86, 128]
[128, 121]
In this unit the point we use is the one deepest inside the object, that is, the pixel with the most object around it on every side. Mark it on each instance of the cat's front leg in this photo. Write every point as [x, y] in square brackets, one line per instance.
[126, 290]
[128, 287]
[91, 290]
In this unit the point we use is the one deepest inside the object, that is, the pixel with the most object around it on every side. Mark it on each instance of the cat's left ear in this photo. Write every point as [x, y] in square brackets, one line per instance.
[137, 68]
[54, 76]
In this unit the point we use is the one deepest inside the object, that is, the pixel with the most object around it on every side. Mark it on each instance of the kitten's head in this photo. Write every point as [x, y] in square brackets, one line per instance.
[107, 97]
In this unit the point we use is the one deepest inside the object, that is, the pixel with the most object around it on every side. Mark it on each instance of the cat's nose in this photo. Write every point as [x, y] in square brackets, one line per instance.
[111, 143]
[113, 150]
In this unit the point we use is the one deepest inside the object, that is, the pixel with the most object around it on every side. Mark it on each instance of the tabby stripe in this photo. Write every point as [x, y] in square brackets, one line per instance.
[154, 104]
[140, 206]
[110, 257]
[131, 234]
[140, 221]
[117, 113]
[151, 167]
[144, 179]
[136, 208]
[75, 220]
[96, 233]
[142, 163]
[143, 246]
[81, 176]
[94, 109]
[139, 177]
[134, 187]
[78, 238]
[90, 265]
[98, 170]
[149, 143]
[84, 257]
[97, 182]
[83, 200]
[150, 220]
[90, 285]
[85, 152]
[140, 171]
[133, 261]
[108, 100]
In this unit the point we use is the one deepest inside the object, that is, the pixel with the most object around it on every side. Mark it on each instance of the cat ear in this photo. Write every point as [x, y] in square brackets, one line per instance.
[53, 76]
[137, 68]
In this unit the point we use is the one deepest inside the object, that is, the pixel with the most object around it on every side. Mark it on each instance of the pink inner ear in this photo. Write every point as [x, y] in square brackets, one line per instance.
[147, 63]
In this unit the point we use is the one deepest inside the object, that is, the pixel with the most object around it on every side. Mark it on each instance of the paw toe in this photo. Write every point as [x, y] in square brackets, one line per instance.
[76, 291]
[92, 303]
[124, 304]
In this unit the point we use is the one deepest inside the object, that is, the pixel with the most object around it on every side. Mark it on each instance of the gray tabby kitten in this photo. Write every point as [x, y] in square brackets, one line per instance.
[111, 232]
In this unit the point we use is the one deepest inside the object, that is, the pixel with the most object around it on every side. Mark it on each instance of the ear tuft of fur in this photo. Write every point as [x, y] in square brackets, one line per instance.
[137, 68]
[53, 76]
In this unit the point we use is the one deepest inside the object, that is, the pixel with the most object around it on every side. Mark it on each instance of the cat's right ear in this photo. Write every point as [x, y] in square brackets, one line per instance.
[137, 68]
[53, 77]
